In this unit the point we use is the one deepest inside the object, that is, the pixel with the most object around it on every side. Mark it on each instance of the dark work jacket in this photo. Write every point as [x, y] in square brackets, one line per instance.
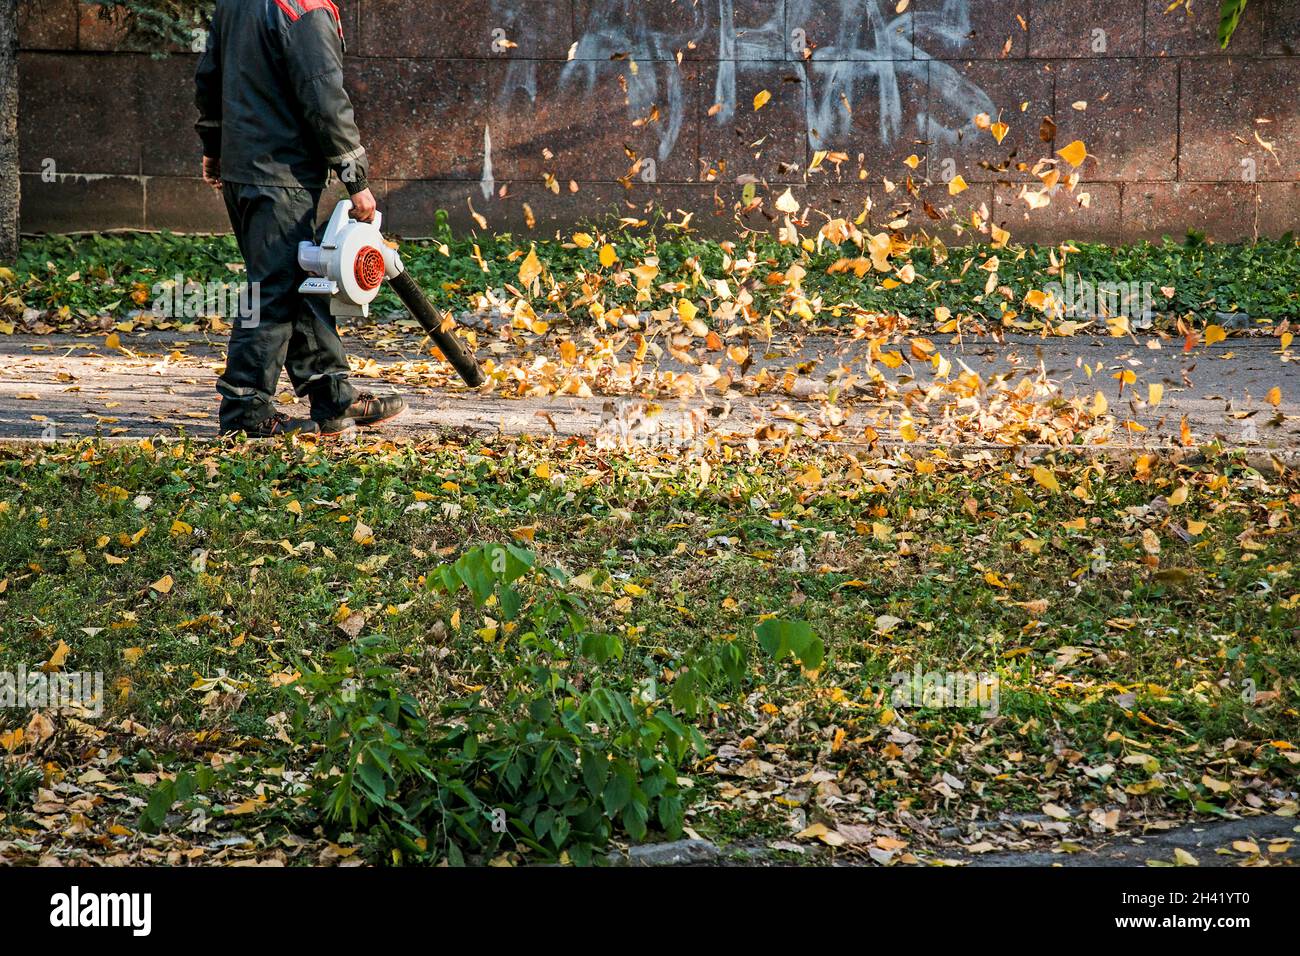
[272, 106]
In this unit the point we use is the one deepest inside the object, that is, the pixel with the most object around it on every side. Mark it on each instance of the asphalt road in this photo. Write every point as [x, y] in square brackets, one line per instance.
[163, 383]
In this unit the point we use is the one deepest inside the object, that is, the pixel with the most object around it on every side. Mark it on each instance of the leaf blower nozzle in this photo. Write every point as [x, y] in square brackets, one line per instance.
[351, 264]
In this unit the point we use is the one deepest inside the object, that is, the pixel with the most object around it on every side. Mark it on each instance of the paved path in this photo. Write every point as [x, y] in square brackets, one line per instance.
[163, 383]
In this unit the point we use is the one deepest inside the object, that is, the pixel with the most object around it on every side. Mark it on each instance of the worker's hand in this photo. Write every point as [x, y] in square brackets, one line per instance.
[363, 206]
[212, 171]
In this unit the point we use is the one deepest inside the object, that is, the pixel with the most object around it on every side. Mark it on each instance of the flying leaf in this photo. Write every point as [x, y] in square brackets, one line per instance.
[1074, 154]
[530, 268]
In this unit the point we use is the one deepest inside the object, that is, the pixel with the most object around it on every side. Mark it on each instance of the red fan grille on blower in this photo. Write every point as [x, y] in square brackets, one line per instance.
[370, 268]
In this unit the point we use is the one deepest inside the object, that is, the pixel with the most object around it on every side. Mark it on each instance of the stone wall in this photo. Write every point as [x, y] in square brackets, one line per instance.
[552, 110]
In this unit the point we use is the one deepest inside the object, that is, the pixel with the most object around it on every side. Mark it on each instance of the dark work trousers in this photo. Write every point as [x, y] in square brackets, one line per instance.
[288, 329]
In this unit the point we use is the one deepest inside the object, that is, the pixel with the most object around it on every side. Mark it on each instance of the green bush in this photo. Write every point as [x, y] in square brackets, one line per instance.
[544, 765]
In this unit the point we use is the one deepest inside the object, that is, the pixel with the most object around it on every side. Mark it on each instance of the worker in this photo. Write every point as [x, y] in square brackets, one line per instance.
[275, 121]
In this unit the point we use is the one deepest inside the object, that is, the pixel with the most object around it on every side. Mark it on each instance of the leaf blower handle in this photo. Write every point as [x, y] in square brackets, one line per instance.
[460, 357]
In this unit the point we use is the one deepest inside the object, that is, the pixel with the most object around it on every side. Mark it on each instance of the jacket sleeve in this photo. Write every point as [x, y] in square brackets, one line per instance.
[207, 84]
[314, 52]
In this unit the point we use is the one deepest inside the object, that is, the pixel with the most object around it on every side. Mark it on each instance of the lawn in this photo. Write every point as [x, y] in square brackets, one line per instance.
[524, 650]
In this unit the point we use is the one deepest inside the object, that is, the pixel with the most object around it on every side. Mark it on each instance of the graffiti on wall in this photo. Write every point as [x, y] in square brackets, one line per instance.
[856, 62]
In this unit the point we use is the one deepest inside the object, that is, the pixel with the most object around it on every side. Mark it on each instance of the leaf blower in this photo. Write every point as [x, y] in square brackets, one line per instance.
[352, 262]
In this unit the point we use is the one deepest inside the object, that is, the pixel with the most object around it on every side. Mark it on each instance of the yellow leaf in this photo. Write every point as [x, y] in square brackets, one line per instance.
[1155, 393]
[956, 185]
[912, 161]
[132, 654]
[530, 268]
[1074, 154]
[543, 470]
[293, 507]
[1178, 496]
[761, 98]
[810, 478]
[608, 255]
[813, 832]
[687, 310]
[582, 240]
[60, 655]
[362, 533]
[1274, 396]
[1183, 858]
[991, 578]
[1046, 479]
[163, 585]
[114, 342]
[1214, 333]
[1218, 786]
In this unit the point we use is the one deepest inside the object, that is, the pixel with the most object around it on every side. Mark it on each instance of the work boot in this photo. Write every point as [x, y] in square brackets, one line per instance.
[366, 409]
[275, 425]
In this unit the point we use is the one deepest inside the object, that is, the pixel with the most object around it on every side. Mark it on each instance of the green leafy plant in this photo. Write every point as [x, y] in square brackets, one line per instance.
[791, 638]
[92, 281]
[165, 793]
[547, 765]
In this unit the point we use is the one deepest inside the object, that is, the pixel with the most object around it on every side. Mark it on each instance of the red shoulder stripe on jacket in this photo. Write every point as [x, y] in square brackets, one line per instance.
[307, 6]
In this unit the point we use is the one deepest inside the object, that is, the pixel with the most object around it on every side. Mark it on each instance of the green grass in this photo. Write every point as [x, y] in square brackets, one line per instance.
[943, 551]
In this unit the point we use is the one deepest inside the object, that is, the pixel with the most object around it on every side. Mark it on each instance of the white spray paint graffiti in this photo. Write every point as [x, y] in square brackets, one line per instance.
[489, 182]
[865, 47]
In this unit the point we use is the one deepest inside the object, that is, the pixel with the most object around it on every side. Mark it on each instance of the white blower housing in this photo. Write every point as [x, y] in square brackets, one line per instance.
[350, 264]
